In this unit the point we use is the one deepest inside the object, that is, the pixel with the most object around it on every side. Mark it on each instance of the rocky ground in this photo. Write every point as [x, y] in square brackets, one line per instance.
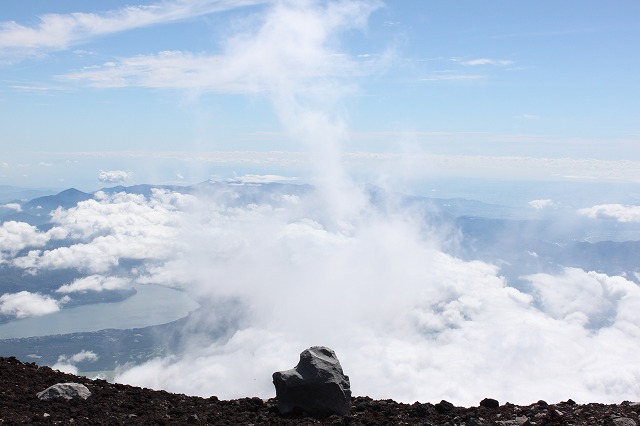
[113, 404]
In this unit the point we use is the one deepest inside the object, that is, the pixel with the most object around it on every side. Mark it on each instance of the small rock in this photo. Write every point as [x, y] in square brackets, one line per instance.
[65, 390]
[489, 403]
[621, 421]
[316, 385]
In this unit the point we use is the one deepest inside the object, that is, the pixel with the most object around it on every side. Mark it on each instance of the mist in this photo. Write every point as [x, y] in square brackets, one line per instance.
[369, 279]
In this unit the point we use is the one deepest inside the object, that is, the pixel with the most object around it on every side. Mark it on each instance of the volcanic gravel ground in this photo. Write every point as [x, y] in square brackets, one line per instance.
[115, 404]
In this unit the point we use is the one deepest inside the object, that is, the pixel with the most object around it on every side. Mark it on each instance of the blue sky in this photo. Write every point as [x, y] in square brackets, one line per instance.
[180, 91]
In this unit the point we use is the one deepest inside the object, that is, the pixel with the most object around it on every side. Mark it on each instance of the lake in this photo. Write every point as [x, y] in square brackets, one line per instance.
[151, 305]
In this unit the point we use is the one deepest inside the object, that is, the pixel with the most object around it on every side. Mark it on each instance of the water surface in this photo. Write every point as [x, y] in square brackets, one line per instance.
[151, 305]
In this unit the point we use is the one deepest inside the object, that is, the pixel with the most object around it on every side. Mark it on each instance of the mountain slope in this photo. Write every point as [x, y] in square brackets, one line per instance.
[112, 404]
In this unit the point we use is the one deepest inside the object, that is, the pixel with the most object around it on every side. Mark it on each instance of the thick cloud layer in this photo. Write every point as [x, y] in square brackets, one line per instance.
[407, 320]
[107, 229]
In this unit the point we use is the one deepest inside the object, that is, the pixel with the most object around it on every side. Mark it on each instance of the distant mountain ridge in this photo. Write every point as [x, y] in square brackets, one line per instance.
[36, 212]
[489, 232]
[9, 194]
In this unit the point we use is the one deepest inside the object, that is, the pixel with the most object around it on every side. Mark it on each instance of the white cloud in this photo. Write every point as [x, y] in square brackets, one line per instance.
[541, 204]
[589, 298]
[25, 304]
[13, 206]
[60, 31]
[111, 227]
[83, 356]
[65, 368]
[16, 236]
[113, 176]
[619, 212]
[66, 363]
[95, 283]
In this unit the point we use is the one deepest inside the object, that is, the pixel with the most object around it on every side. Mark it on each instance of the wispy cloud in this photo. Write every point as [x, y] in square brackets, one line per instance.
[426, 162]
[459, 73]
[452, 77]
[288, 51]
[43, 89]
[486, 61]
[528, 117]
[60, 31]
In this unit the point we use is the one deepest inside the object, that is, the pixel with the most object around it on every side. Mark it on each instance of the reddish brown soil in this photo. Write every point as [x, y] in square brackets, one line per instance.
[116, 404]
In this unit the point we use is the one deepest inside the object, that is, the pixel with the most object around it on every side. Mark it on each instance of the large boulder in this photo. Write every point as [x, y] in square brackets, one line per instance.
[66, 391]
[316, 385]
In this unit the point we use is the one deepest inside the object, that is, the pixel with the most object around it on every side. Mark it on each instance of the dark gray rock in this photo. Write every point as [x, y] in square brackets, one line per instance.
[489, 403]
[65, 390]
[443, 407]
[316, 385]
[621, 421]
[508, 423]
